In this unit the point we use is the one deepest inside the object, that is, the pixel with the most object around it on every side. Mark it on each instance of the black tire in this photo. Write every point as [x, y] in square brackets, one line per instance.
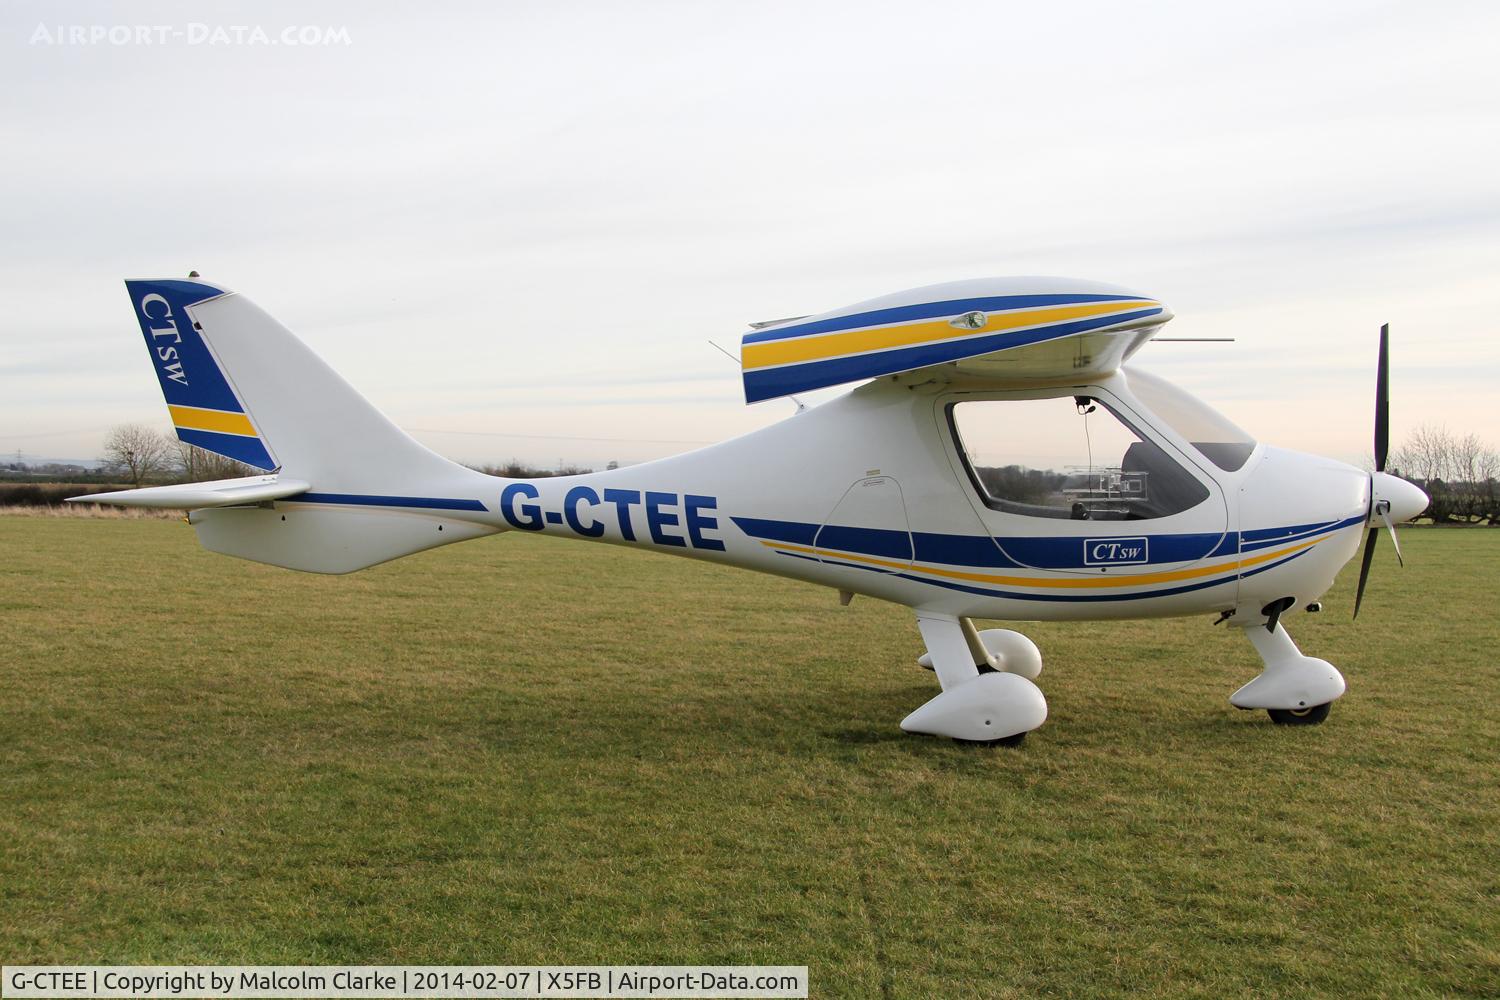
[1300, 716]
[1004, 741]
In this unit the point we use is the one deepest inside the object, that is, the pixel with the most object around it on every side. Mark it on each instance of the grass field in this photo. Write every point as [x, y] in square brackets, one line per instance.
[524, 750]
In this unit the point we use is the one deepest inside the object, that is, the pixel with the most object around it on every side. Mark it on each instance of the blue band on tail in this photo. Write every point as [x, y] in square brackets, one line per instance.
[188, 373]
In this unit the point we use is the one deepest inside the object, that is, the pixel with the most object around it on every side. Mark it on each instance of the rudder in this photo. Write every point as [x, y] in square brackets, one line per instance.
[205, 409]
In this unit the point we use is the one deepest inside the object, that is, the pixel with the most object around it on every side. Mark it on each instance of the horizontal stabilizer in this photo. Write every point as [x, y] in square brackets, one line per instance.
[195, 496]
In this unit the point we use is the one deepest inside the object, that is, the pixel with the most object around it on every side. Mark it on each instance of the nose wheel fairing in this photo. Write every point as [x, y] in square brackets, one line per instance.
[1290, 681]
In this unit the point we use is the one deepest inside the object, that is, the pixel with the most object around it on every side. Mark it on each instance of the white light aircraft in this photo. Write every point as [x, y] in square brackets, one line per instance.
[998, 462]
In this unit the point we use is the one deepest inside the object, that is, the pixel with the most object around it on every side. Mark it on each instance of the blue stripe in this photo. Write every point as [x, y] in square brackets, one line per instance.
[837, 562]
[1079, 598]
[929, 310]
[364, 500]
[242, 449]
[1067, 553]
[796, 532]
[769, 383]
[978, 550]
[871, 541]
[1105, 598]
[1263, 538]
[1045, 553]
[962, 550]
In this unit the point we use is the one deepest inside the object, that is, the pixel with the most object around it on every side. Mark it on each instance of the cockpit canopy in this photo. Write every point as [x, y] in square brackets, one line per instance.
[1065, 453]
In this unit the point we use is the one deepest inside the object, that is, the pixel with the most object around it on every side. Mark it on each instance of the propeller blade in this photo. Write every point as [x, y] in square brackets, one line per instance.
[1382, 448]
[1385, 515]
[1383, 400]
[1364, 569]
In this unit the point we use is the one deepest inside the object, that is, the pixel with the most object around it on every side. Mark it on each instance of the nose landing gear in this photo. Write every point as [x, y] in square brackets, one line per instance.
[1300, 716]
[1295, 690]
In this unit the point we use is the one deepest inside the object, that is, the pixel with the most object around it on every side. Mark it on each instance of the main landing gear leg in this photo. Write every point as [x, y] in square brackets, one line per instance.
[991, 707]
[997, 649]
[1296, 690]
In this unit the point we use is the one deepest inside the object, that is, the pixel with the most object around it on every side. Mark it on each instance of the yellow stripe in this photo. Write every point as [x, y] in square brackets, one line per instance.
[193, 419]
[782, 352]
[1045, 582]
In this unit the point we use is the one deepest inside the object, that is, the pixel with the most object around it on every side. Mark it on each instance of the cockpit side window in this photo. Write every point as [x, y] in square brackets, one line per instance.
[1068, 457]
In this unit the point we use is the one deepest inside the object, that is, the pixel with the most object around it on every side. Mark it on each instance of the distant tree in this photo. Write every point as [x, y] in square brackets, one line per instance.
[1020, 484]
[1426, 454]
[198, 465]
[516, 469]
[1458, 473]
[136, 452]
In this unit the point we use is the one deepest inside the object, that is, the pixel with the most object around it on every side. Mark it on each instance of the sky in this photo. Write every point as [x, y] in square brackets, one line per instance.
[517, 227]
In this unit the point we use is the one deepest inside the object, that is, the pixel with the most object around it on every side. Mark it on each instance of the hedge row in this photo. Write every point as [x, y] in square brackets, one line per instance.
[48, 494]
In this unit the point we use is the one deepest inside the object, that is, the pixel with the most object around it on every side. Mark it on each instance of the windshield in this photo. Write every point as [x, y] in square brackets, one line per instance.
[1205, 428]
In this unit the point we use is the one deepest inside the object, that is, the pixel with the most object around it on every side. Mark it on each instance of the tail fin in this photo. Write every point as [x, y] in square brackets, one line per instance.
[357, 489]
[239, 384]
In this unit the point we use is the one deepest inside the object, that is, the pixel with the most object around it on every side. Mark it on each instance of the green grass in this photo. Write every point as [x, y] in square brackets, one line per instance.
[523, 750]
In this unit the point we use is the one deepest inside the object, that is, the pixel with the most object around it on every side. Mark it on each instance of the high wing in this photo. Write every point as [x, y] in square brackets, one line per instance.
[1006, 328]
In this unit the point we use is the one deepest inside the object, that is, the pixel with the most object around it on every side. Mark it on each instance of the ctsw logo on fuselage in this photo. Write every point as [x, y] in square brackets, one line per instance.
[1114, 551]
[164, 326]
[672, 519]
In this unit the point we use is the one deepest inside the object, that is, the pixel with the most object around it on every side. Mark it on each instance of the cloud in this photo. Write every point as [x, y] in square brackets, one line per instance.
[535, 212]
